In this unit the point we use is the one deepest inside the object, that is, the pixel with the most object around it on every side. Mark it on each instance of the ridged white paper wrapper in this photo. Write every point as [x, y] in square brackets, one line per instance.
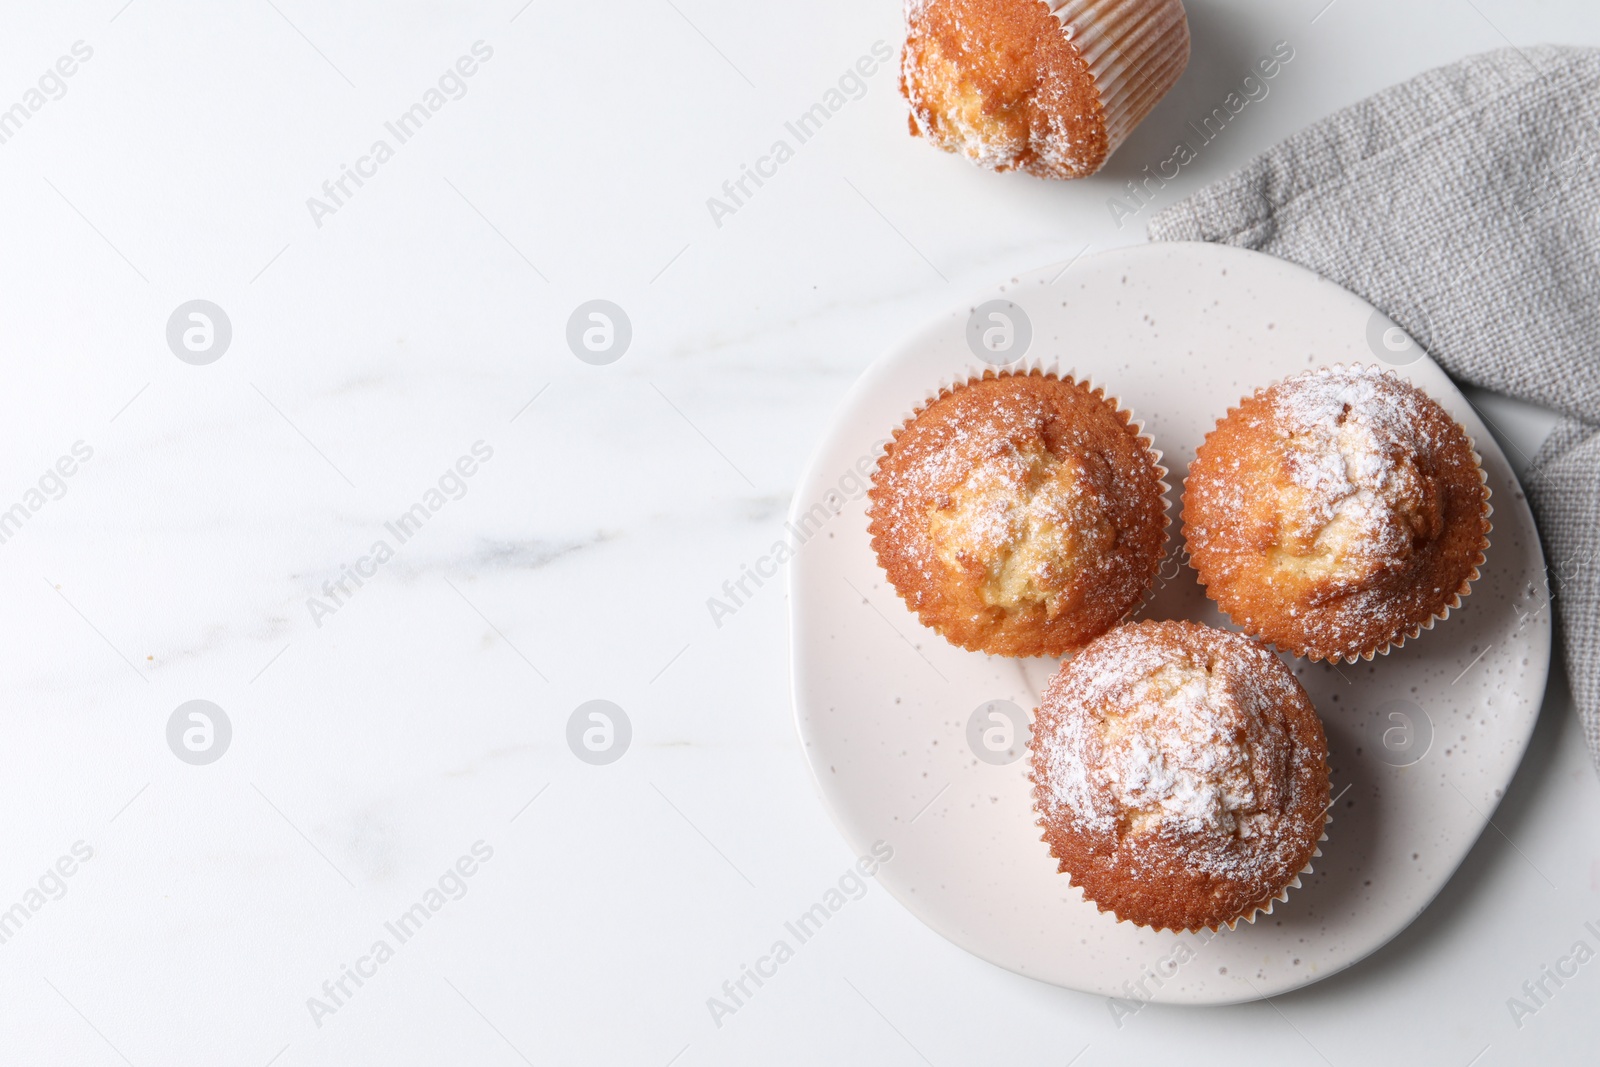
[1294, 883]
[1135, 49]
[1264, 908]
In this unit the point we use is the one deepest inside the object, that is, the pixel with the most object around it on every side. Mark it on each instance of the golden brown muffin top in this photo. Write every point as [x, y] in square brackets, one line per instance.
[1019, 514]
[1180, 774]
[1336, 512]
[999, 82]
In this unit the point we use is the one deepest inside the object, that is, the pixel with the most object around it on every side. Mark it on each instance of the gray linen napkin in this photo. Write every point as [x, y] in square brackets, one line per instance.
[1465, 204]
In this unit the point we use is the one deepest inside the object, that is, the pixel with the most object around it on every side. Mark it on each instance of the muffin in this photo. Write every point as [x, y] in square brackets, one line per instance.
[1050, 87]
[1019, 514]
[1180, 775]
[1337, 513]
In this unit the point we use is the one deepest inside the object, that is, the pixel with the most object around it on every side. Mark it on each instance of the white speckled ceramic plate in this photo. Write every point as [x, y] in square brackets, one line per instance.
[1423, 741]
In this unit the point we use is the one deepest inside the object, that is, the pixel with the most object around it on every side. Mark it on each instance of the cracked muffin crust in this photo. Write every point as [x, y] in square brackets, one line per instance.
[1019, 514]
[1180, 775]
[1337, 513]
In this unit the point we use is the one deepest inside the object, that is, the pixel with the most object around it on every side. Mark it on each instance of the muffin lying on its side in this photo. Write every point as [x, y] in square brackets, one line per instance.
[1050, 87]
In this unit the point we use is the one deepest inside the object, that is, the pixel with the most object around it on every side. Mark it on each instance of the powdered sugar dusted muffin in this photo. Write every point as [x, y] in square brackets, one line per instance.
[1050, 87]
[1337, 513]
[1019, 514]
[1180, 775]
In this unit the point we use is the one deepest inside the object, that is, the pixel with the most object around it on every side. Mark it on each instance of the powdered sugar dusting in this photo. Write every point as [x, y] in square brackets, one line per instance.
[1150, 743]
[1354, 440]
[1024, 503]
[992, 470]
[1336, 512]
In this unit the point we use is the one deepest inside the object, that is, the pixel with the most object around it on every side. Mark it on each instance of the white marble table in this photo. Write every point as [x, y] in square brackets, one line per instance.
[398, 532]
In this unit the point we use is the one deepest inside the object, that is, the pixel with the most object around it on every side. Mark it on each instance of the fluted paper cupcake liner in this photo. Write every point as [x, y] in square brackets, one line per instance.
[1134, 49]
[1264, 908]
[1282, 895]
